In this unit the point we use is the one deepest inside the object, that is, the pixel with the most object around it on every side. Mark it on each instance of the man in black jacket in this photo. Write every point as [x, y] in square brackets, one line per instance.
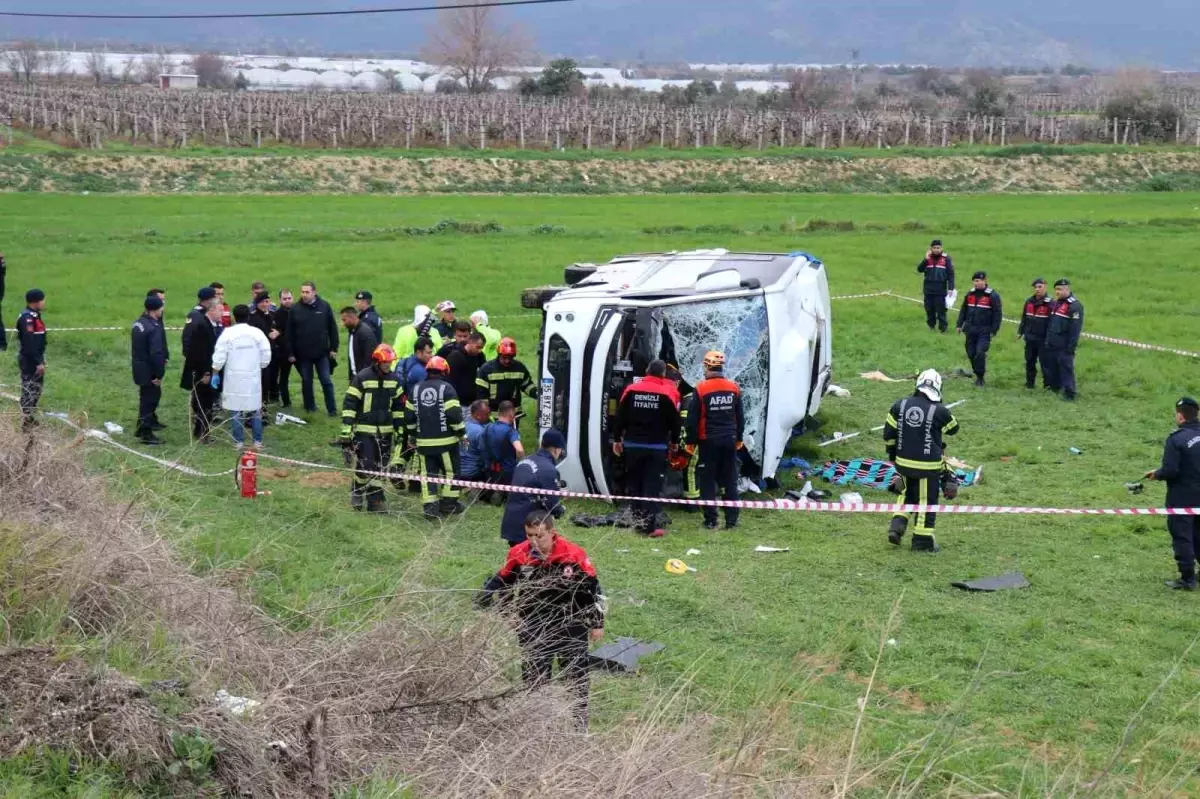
[279, 346]
[312, 338]
[939, 281]
[195, 317]
[149, 359]
[363, 303]
[360, 340]
[537, 471]
[646, 426]
[31, 355]
[980, 318]
[3, 275]
[197, 367]
[1181, 471]
[1062, 337]
[263, 317]
[465, 362]
[1034, 321]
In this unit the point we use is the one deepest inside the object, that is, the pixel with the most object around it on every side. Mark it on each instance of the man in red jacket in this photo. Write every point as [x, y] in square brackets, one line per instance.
[643, 433]
[559, 605]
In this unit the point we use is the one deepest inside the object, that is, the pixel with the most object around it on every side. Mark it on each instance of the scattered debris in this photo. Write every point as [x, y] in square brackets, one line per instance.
[761, 548]
[622, 550]
[677, 566]
[1135, 488]
[851, 498]
[748, 486]
[693, 552]
[282, 418]
[892, 642]
[1075, 451]
[623, 654]
[837, 391]
[1001, 583]
[237, 705]
[880, 377]
[113, 428]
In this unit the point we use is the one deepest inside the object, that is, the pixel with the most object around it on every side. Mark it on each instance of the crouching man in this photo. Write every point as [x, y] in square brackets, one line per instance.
[552, 585]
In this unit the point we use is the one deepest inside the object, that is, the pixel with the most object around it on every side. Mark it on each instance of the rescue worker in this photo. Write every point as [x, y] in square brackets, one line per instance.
[465, 361]
[445, 325]
[504, 378]
[460, 334]
[433, 416]
[1180, 470]
[491, 336]
[1034, 322]
[241, 354]
[149, 361]
[715, 424]
[472, 459]
[913, 433]
[1062, 338]
[363, 303]
[422, 326]
[681, 459]
[361, 341]
[644, 429]
[31, 355]
[502, 448]
[980, 318]
[558, 603]
[938, 269]
[372, 417]
[538, 471]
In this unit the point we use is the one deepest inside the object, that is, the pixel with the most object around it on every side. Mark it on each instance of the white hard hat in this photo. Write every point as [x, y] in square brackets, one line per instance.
[446, 305]
[929, 383]
[420, 313]
[480, 317]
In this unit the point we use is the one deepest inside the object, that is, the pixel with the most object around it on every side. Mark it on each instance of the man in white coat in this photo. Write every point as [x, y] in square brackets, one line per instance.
[243, 352]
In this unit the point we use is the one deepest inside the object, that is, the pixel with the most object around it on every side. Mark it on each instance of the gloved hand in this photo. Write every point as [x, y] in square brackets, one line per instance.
[690, 449]
[215, 382]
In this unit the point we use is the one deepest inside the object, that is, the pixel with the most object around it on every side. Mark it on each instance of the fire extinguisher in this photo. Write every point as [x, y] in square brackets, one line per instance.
[246, 475]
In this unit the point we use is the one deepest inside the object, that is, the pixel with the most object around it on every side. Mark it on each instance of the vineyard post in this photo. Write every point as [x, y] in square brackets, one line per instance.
[1197, 133]
[482, 134]
[879, 136]
[907, 126]
[945, 132]
[842, 136]
[928, 131]
[825, 133]
[154, 122]
[1116, 125]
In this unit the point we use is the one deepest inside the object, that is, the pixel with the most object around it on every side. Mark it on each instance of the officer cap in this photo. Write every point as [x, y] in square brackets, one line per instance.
[553, 438]
[35, 295]
[1038, 280]
[1062, 281]
[980, 275]
[206, 293]
[363, 295]
[153, 302]
[1187, 402]
[935, 243]
[262, 296]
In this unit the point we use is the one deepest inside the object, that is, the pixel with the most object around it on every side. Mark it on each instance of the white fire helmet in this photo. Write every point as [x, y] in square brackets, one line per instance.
[420, 313]
[480, 318]
[929, 383]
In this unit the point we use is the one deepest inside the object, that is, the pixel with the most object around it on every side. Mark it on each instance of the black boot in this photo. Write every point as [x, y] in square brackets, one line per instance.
[979, 381]
[432, 513]
[896, 529]
[1184, 583]
[375, 504]
[924, 543]
[148, 438]
[356, 499]
[451, 507]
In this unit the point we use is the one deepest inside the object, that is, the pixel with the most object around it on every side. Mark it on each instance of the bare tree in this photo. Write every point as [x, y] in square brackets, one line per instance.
[98, 67]
[475, 44]
[212, 70]
[24, 61]
[811, 90]
[151, 66]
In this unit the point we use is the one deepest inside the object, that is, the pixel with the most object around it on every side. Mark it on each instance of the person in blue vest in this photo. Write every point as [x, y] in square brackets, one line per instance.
[538, 471]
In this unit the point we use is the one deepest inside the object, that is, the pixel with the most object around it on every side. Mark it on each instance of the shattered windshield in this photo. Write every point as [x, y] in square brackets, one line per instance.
[737, 327]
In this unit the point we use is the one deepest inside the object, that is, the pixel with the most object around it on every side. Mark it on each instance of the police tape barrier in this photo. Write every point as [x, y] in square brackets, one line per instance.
[1093, 336]
[766, 504]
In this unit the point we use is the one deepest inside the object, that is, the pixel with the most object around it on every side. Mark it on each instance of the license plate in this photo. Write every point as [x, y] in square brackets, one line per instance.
[546, 404]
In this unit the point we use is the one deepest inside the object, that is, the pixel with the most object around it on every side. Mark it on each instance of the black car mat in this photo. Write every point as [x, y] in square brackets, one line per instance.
[623, 654]
[1001, 583]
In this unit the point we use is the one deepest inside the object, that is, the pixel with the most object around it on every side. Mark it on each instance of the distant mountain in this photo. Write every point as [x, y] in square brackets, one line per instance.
[945, 32]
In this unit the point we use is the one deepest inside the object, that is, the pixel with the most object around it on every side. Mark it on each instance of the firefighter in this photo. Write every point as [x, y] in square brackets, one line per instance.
[364, 304]
[1062, 337]
[372, 417]
[504, 379]
[149, 360]
[715, 424]
[31, 355]
[680, 458]
[913, 433]
[434, 418]
[1181, 471]
[980, 318]
[644, 429]
[558, 603]
[422, 326]
[1034, 322]
[491, 336]
[938, 269]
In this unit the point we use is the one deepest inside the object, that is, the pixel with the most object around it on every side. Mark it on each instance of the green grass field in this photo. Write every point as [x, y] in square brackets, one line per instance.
[1089, 671]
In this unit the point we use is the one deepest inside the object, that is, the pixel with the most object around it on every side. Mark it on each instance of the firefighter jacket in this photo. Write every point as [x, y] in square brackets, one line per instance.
[312, 331]
[31, 335]
[1035, 319]
[981, 312]
[360, 343]
[374, 404]
[914, 431]
[715, 413]
[147, 350]
[371, 317]
[939, 274]
[498, 383]
[536, 471]
[433, 415]
[1181, 466]
[1066, 324]
[554, 589]
[648, 415]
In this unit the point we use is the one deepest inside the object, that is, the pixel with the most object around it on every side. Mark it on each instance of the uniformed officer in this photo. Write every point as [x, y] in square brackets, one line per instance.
[645, 428]
[505, 378]
[913, 433]
[715, 425]
[1062, 337]
[364, 304]
[434, 418]
[1181, 471]
[938, 269]
[1034, 321]
[31, 355]
[148, 354]
[372, 417]
[980, 318]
